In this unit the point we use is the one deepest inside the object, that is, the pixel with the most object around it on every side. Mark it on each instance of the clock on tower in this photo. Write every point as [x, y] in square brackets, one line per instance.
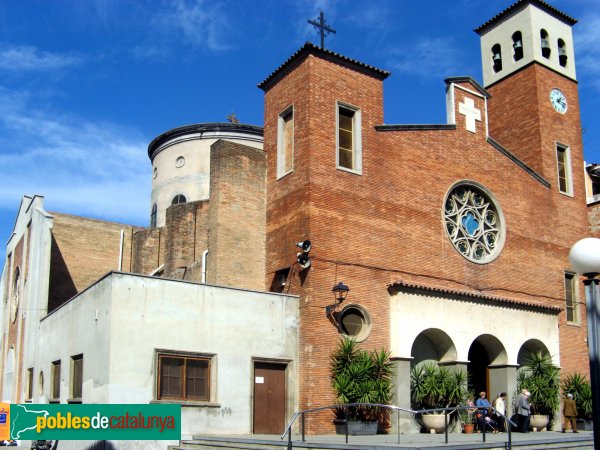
[529, 70]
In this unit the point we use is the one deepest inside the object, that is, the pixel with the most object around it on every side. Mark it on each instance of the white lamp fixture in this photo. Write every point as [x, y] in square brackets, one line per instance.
[585, 256]
[585, 259]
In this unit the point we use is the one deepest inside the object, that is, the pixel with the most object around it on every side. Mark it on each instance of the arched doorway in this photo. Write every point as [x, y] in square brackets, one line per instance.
[485, 352]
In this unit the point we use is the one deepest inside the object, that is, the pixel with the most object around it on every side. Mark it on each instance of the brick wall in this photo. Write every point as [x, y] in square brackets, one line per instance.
[386, 225]
[594, 218]
[82, 251]
[146, 251]
[236, 246]
[523, 120]
[230, 225]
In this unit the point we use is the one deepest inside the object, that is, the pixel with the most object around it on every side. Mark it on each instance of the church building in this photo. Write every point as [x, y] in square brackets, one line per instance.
[452, 238]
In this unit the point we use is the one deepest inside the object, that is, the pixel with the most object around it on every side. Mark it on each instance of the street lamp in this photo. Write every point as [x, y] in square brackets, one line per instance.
[585, 259]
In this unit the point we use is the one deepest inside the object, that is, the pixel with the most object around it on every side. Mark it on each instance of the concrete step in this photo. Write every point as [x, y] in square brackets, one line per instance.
[550, 441]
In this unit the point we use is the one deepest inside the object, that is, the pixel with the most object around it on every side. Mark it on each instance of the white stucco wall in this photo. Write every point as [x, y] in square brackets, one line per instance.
[120, 322]
[33, 294]
[464, 321]
[529, 21]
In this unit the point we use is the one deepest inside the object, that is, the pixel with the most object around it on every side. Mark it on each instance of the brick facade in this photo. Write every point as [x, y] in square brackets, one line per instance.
[385, 225]
[83, 250]
[236, 245]
[230, 225]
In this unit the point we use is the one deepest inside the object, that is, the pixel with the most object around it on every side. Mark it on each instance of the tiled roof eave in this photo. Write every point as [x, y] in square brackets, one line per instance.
[522, 3]
[311, 49]
[476, 296]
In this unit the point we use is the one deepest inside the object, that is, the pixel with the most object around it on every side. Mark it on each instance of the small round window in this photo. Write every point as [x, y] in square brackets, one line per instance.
[474, 222]
[180, 162]
[355, 322]
[154, 172]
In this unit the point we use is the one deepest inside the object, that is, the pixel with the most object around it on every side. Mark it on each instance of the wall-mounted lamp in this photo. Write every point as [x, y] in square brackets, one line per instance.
[340, 291]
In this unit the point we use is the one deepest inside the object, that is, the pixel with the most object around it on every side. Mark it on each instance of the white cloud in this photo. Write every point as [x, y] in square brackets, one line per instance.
[82, 168]
[201, 23]
[587, 44]
[27, 58]
[427, 58]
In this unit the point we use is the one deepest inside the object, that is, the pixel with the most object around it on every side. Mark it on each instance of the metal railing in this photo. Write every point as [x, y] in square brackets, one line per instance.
[446, 411]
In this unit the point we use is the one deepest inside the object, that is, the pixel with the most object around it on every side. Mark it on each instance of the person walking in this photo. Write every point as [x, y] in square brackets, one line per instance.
[523, 411]
[569, 413]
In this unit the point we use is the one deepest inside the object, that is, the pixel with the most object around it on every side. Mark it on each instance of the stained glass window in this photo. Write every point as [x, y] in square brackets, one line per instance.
[473, 222]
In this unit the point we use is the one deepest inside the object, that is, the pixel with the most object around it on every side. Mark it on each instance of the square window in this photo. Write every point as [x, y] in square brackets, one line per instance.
[183, 377]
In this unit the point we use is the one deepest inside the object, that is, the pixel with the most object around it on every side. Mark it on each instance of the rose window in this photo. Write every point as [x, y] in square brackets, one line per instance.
[474, 223]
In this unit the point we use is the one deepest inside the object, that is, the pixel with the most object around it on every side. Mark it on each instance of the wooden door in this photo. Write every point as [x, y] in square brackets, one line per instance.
[269, 398]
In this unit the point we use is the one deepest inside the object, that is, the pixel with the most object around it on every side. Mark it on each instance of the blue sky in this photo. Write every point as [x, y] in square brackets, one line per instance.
[85, 85]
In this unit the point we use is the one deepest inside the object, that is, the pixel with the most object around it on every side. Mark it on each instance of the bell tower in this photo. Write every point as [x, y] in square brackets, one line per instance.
[526, 32]
[528, 63]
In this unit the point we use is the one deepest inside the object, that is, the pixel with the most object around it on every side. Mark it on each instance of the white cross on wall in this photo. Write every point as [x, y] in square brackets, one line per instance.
[471, 113]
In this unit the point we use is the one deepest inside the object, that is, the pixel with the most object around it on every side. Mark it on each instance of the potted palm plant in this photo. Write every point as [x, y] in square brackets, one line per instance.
[434, 387]
[360, 376]
[541, 377]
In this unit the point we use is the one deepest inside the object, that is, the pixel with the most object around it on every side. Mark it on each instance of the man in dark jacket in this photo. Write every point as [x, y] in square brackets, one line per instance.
[523, 411]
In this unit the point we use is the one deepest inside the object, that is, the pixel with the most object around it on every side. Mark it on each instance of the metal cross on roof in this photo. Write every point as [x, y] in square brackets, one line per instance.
[322, 27]
[232, 119]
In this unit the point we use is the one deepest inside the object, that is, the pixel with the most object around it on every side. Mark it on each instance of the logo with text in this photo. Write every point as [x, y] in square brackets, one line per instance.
[95, 422]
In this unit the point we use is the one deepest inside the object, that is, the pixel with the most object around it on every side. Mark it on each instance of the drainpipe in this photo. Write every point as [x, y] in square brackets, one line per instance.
[204, 255]
[121, 250]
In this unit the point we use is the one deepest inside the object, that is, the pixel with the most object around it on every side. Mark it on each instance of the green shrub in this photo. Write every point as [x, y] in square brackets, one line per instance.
[361, 376]
[578, 385]
[541, 378]
[434, 387]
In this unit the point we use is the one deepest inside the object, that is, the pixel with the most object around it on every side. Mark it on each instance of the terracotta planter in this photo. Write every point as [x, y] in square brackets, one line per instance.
[468, 428]
[537, 422]
[434, 422]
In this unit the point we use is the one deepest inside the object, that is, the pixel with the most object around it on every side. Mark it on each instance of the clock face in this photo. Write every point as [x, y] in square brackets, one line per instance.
[558, 100]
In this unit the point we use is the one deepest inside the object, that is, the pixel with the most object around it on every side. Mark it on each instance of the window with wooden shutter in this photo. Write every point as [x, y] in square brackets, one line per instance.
[183, 378]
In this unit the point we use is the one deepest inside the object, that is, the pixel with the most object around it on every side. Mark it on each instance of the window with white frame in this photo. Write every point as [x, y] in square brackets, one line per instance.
[285, 142]
[563, 161]
[571, 298]
[349, 139]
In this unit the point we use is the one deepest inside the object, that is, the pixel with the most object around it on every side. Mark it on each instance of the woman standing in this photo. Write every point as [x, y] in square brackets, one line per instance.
[500, 411]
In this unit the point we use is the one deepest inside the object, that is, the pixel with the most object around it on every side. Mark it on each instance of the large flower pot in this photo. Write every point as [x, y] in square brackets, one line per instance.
[434, 422]
[468, 428]
[356, 427]
[538, 422]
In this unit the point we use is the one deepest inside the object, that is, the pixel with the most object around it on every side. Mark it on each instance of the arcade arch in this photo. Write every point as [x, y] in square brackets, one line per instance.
[432, 345]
